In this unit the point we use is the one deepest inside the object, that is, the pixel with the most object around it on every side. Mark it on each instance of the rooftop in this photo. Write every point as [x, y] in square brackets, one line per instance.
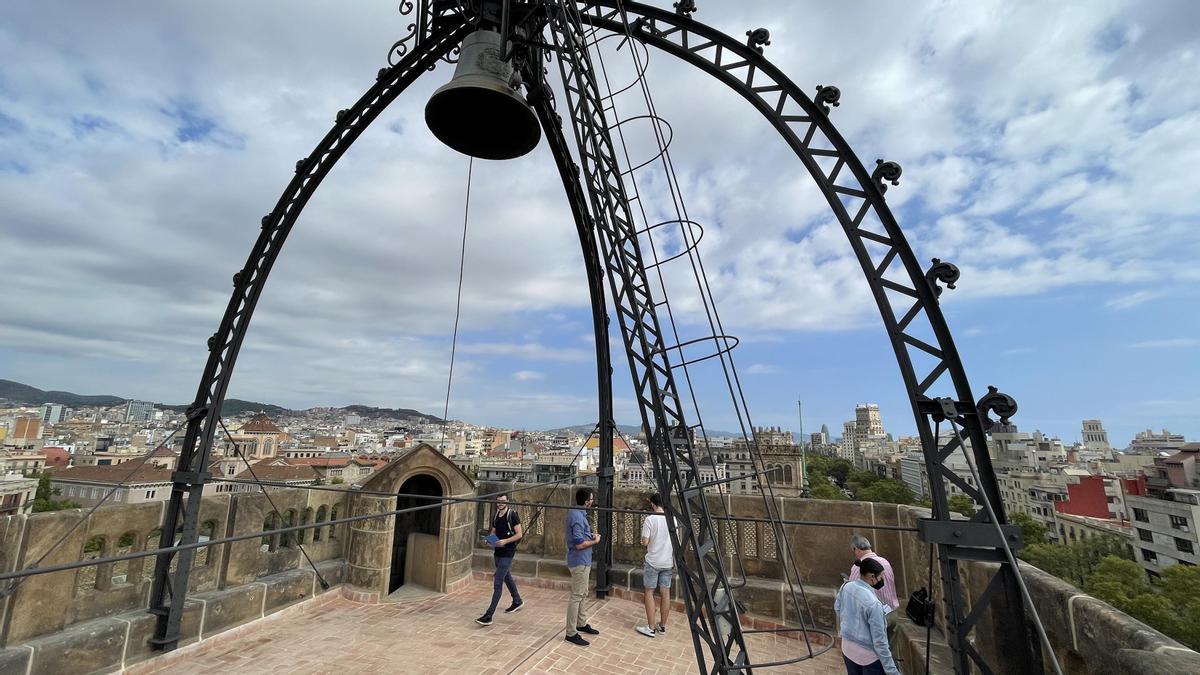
[114, 474]
[437, 634]
[269, 471]
[260, 424]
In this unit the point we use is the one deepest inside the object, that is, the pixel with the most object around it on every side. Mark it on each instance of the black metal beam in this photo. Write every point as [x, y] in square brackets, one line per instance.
[541, 98]
[169, 590]
[707, 593]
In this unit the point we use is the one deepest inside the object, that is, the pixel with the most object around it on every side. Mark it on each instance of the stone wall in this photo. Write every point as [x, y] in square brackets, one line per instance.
[820, 554]
[49, 603]
[120, 640]
[94, 619]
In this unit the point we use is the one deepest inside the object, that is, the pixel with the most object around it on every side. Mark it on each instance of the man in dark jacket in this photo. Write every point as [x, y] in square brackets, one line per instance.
[506, 531]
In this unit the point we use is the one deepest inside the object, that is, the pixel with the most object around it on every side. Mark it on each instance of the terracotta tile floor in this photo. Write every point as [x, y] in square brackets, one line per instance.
[438, 635]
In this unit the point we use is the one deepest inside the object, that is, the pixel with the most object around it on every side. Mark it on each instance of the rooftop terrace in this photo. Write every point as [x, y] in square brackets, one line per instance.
[254, 604]
[435, 633]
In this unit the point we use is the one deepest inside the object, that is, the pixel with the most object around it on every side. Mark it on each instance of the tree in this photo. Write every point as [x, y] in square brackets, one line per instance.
[840, 470]
[1122, 584]
[44, 490]
[1055, 559]
[823, 489]
[961, 503]
[44, 497]
[1155, 611]
[1115, 580]
[1032, 531]
[886, 491]
[1181, 587]
[1181, 584]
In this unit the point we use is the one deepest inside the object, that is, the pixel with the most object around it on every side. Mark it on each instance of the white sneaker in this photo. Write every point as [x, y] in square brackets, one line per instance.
[645, 630]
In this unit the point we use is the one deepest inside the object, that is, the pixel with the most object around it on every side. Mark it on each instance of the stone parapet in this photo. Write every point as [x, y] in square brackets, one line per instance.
[120, 641]
[1088, 635]
[46, 604]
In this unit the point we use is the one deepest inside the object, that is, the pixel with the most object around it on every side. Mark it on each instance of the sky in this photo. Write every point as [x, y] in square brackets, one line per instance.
[1049, 150]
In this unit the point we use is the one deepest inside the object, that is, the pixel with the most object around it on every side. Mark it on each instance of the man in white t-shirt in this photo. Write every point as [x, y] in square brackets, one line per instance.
[658, 569]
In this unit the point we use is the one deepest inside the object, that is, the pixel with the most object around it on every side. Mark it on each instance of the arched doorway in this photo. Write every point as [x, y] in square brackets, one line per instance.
[425, 521]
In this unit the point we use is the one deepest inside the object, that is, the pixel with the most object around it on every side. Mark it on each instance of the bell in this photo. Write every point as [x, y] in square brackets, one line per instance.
[479, 112]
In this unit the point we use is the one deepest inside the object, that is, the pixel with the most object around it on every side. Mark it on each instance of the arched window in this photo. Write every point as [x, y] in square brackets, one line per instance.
[175, 558]
[289, 519]
[149, 544]
[270, 540]
[321, 516]
[203, 555]
[333, 515]
[130, 569]
[305, 519]
[87, 578]
[787, 473]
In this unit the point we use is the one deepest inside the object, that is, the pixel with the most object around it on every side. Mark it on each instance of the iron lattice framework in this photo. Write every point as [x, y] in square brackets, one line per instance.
[905, 294]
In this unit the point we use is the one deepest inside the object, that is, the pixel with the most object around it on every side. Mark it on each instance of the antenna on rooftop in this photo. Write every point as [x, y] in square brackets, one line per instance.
[805, 490]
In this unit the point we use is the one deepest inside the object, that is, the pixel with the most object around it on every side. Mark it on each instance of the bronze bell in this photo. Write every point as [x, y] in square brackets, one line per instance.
[479, 112]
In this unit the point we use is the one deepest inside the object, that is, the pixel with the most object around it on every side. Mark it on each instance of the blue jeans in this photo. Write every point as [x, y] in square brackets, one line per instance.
[853, 668]
[653, 577]
[503, 578]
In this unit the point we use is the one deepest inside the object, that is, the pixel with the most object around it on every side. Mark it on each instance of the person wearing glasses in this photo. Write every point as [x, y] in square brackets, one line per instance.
[506, 531]
[580, 541]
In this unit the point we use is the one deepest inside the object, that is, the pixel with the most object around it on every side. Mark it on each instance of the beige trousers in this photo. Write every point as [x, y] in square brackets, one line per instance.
[576, 609]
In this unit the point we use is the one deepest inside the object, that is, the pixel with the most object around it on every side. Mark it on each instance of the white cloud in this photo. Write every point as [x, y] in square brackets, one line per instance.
[1017, 351]
[1133, 299]
[762, 369]
[528, 351]
[528, 375]
[1167, 343]
[133, 182]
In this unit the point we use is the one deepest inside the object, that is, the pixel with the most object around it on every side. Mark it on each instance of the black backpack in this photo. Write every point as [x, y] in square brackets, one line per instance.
[511, 526]
[920, 607]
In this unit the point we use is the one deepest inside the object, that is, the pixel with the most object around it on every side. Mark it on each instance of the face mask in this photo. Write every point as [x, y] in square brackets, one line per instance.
[878, 585]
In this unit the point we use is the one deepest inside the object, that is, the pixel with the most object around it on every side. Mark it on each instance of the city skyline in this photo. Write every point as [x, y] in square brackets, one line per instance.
[801, 435]
[1058, 186]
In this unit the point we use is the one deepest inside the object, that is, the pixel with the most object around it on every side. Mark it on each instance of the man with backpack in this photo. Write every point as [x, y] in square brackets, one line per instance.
[506, 531]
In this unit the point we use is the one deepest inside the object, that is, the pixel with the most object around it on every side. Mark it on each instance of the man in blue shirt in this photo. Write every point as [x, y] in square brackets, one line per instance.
[580, 541]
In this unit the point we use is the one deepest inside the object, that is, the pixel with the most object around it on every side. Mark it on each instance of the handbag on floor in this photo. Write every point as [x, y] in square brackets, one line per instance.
[920, 607]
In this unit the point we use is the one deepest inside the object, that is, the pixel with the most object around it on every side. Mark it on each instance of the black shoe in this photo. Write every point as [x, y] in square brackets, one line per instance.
[517, 604]
[587, 629]
[485, 620]
[577, 640]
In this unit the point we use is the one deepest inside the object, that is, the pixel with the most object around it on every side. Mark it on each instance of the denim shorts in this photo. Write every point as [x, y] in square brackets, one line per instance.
[653, 577]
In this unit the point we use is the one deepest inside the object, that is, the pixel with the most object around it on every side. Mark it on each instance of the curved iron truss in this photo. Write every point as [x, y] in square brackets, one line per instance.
[905, 293]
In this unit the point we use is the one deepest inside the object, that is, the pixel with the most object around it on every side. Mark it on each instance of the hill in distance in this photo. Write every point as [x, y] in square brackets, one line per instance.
[27, 395]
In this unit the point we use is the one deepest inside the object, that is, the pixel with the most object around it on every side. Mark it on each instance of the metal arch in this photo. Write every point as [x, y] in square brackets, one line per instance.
[438, 33]
[543, 105]
[707, 592]
[854, 194]
[168, 590]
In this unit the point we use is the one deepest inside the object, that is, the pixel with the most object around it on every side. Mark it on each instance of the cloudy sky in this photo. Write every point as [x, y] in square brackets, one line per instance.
[1051, 151]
